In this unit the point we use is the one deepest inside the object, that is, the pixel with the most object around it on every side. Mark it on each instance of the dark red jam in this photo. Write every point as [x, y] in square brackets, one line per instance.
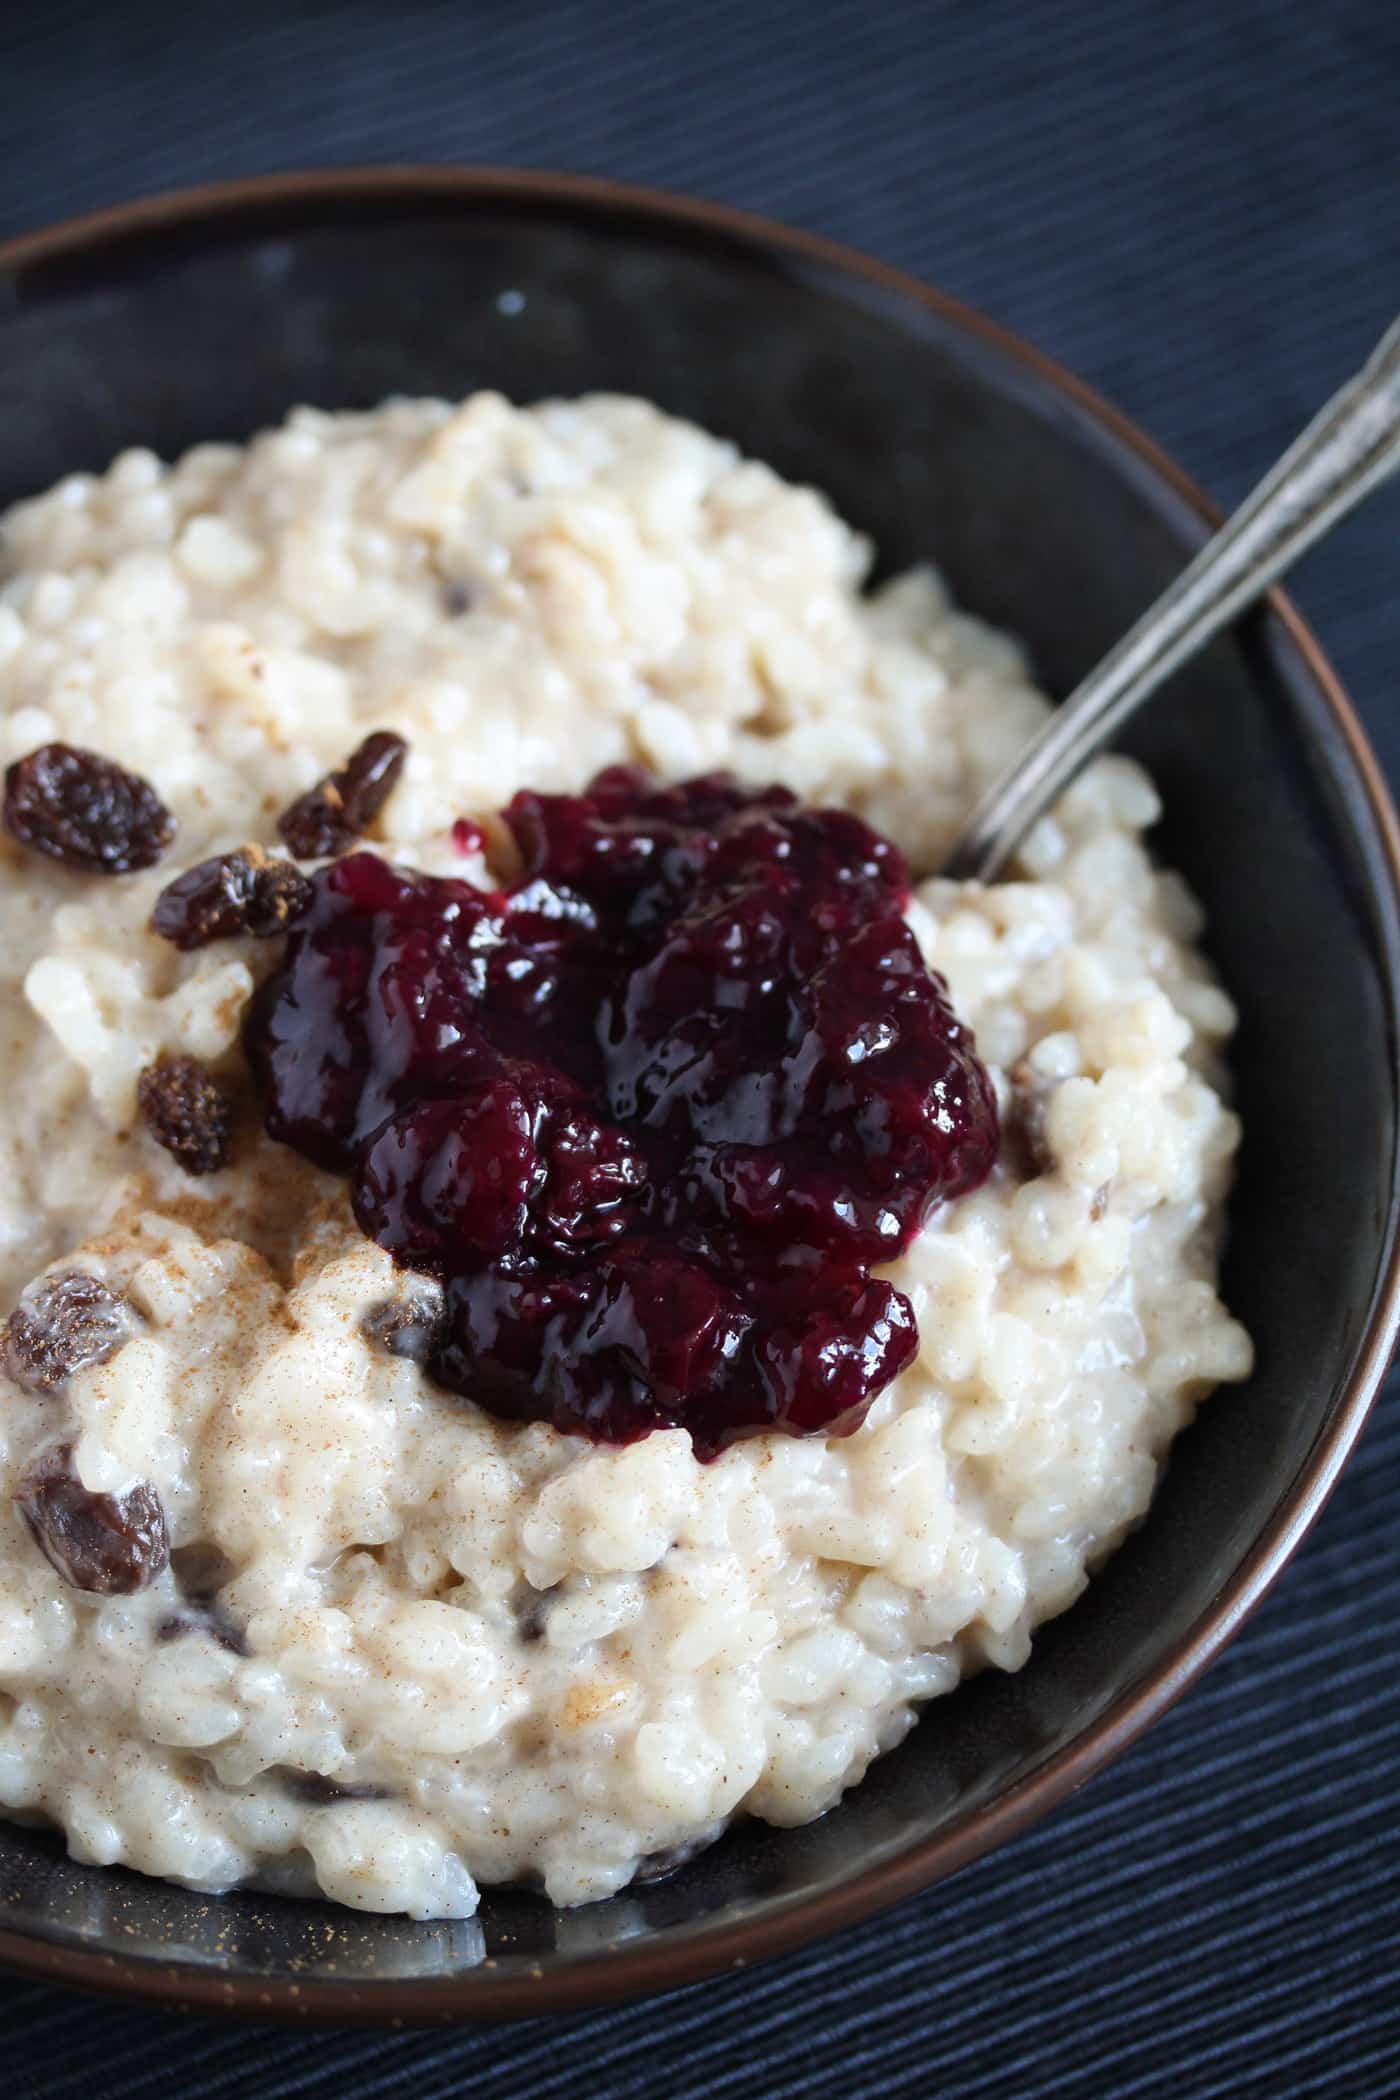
[650, 1116]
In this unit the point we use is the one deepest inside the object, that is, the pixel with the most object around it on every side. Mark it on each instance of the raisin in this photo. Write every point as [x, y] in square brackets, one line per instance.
[201, 1571]
[187, 1111]
[407, 1327]
[85, 811]
[531, 1613]
[1027, 1142]
[232, 894]
[63, 1324]
[333, 814]
[208, 1621]
[110, 1545]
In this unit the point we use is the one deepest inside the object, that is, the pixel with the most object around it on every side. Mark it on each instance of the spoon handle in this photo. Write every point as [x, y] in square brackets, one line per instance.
[1348, 449]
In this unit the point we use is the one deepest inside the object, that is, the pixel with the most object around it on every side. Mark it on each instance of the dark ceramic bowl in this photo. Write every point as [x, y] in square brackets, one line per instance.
[210, 314]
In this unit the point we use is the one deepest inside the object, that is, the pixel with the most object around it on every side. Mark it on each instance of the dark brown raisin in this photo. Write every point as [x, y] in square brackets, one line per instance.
[186, 1110]
[111, 1545]
[85, 811]
[456, 599]
[234, 893]
[334, 813]
[210, 1622]
[63, 1324]
[1025, 1139]
[319, 1792]
[200, 1570]
[531, 1611]
[408, 1326]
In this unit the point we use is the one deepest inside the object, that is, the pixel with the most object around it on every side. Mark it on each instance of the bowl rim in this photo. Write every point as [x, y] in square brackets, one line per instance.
[632, 1969]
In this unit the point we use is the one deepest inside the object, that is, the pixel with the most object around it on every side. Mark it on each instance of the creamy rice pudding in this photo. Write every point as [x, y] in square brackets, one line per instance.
[292, 1588]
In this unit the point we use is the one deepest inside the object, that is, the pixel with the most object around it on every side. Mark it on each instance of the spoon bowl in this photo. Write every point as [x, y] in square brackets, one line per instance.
[1351, 446]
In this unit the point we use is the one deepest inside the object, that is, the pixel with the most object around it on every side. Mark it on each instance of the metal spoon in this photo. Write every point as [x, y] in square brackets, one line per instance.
[1347, 450]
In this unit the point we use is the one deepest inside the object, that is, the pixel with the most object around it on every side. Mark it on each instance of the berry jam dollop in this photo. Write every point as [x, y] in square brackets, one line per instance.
[650, 1116]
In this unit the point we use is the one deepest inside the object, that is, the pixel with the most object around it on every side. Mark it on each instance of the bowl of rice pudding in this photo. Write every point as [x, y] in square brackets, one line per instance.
[591, 1349]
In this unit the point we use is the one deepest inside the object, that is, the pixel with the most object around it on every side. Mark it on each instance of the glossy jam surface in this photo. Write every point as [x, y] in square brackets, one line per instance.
[650, 1116]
